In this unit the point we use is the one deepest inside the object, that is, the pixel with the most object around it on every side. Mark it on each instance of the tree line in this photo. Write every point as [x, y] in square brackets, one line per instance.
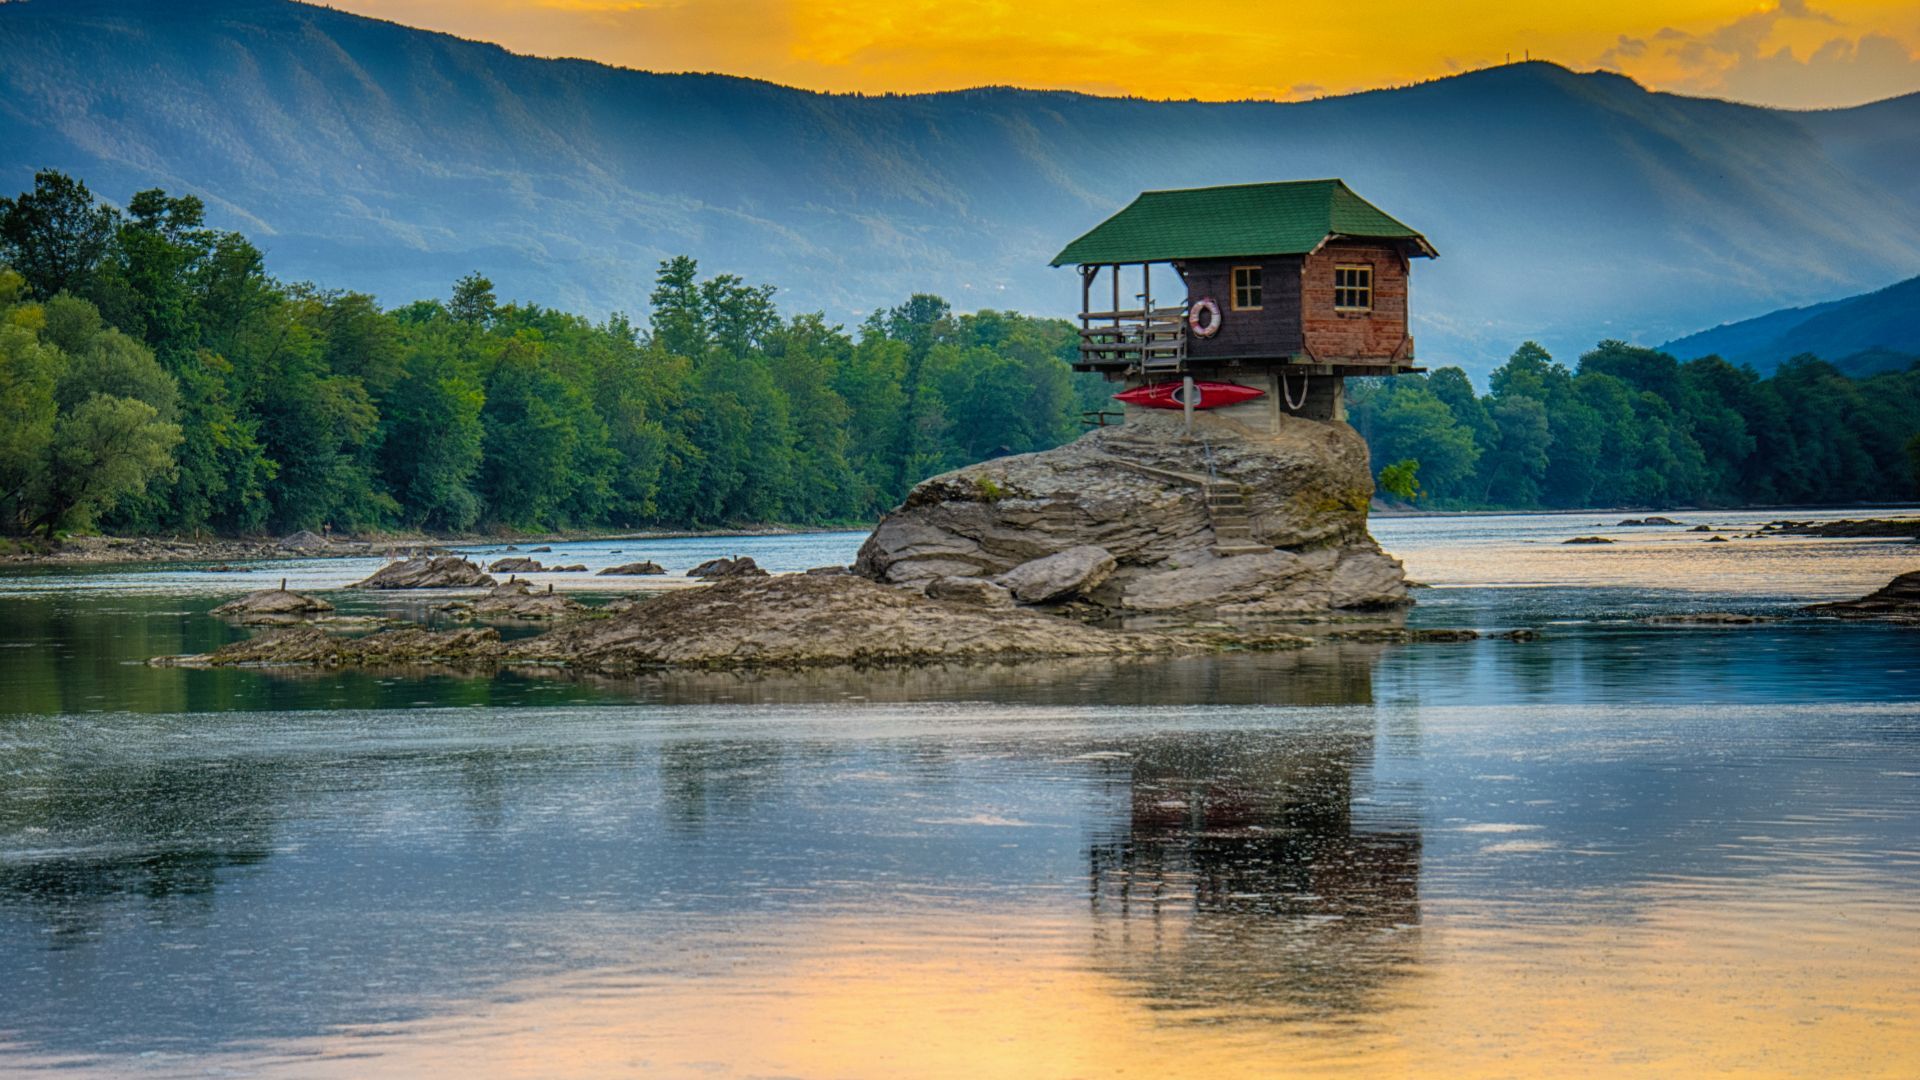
[155, 378]
[1630, 426]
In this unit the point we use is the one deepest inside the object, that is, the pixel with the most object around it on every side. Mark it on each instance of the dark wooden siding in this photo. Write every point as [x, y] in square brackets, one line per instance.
[1273, 332]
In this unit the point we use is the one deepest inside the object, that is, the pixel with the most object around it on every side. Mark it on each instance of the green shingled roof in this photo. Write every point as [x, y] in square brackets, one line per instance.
[1288, 218]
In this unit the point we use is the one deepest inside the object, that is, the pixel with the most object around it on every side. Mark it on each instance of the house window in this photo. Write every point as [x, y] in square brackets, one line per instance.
[1246, 288]
[1353, 288]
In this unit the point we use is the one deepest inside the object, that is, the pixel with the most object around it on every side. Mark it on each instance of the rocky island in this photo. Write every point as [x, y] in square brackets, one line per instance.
[1131, 540]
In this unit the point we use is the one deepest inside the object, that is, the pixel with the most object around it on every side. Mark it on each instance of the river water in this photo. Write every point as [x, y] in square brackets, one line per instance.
[1617, 849]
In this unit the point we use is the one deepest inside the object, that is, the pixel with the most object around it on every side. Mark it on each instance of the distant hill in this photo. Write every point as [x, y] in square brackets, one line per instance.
[364, 154]
[1878, 331]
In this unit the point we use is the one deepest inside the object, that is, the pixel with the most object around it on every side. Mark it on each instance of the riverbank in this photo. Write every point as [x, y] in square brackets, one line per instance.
[136, 550]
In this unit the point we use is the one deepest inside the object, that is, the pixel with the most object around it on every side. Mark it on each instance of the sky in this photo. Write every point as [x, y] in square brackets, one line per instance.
[1794, 53]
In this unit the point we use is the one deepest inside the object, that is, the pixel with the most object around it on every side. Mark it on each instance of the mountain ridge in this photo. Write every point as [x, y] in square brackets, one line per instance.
[1875, 331]
[366, 154]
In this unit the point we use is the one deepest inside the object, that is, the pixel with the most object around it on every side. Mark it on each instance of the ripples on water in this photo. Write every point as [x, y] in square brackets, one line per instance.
[1616, 849]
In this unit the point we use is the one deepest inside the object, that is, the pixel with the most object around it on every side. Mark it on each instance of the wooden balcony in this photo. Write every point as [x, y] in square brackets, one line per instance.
[1142, 339]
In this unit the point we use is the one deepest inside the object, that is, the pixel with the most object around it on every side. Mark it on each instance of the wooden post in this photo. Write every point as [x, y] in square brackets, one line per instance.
[1086, 304]
[1117, 336]
[1146, 312]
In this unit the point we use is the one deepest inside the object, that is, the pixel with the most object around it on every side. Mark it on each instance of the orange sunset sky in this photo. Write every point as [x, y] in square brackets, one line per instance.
[1800, 53]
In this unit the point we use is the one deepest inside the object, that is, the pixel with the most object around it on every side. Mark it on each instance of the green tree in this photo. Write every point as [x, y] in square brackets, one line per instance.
[106, 448]
[1402, 479]
[55, 235]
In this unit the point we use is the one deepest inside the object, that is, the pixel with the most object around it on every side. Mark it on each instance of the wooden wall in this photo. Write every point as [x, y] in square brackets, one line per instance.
[1342, 335]
[1273, 332]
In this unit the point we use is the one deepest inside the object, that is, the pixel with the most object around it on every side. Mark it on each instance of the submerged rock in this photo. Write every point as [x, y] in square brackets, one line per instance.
[1881, 528]
[272, 605]
[1897, 600]
[1707, 618]
[442, 572]
[1633, 522]
[633, 569]
[1588, 540]
[1286, 531]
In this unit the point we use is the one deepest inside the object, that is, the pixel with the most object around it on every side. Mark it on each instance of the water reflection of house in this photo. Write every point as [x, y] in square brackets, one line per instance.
[1243, 879]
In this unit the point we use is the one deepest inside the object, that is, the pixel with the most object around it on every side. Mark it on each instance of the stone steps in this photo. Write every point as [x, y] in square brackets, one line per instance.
[1232, 524]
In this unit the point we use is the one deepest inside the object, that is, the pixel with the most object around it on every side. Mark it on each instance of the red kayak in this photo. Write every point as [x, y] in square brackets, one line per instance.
[1170, 395]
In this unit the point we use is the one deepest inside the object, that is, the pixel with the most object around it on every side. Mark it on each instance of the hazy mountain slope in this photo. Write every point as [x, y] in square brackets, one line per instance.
[1862, 334]
[365, 154]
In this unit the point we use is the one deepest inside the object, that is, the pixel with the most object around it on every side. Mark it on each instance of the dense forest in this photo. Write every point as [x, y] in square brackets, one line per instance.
[155, 378]
[1632, 426]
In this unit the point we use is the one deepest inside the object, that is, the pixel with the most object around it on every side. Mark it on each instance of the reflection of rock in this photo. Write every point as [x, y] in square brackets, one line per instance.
[1897, 600]
[1707, 618]
[272, 605]
[1243, 876]
[1404, 635]
[1166, 507]
[443, 572]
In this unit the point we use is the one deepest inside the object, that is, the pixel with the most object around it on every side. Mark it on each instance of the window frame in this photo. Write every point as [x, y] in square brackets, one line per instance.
[1258, 288]
[1365, 289]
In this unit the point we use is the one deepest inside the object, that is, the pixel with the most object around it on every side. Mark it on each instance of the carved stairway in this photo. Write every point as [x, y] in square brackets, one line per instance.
[1226, 503]
[1232, 525]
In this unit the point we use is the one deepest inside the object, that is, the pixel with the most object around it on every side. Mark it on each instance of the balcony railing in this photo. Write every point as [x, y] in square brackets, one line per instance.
[1150, 339]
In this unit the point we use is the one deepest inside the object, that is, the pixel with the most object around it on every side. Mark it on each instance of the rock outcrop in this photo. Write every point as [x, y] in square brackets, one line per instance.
[442, 572]
[1898, 600]
[803, 620]
[1227, 520]
[273, 606]
[633, 569]
[1073, 572]
[715, 569]
[516, 600]
[309, 646]
[515, 564]
[792, 621]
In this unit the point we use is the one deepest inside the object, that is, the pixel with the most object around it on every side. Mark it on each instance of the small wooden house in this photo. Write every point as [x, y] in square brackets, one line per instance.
[1287, 287]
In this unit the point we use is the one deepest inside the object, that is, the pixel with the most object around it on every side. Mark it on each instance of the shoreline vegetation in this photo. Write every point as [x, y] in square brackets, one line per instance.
[156, 381]
[96, 550]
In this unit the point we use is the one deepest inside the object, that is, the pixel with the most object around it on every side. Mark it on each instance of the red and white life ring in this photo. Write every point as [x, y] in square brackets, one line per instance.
[1204, 327]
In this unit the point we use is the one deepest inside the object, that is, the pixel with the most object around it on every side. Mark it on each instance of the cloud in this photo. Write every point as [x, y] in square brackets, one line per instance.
[1754, 58]
[1865, 69]
[1624, 48]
